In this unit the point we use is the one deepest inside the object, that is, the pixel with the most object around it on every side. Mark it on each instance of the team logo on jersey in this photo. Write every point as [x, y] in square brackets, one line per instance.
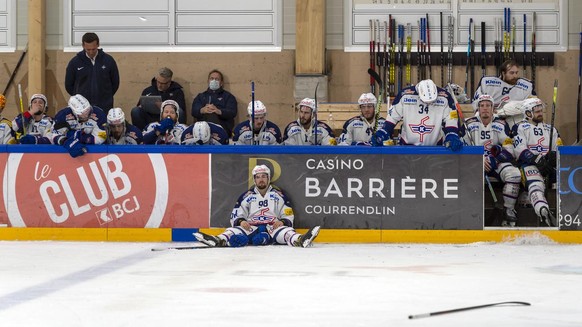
[421, 129]
[492, 82]
[522, 85]
[262, 217]
[409, 100]
[539, 147]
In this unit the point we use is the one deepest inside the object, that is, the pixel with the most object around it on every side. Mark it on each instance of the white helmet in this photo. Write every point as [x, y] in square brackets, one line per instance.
[173, 104]
[307, 102]
[427, 91]
[115, 116]
[201, 132]
[260, 108]
[80, 105]
[367, 98]
[529, 104]
[39, 96]
[481, 98]
[459, 93]
[262, 169]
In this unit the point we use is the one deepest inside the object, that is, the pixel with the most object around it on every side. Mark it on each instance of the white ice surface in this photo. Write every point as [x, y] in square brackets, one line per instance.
[126, 284]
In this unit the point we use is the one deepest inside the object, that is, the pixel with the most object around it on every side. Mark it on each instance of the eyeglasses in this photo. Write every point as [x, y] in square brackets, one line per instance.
[163, 83]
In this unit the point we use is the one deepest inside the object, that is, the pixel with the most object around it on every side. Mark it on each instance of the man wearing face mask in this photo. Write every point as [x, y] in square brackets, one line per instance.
[215, 104]
[164, 86]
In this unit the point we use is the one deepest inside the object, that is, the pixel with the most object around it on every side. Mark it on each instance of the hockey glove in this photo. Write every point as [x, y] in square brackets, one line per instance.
[28, 139]
[379, 138]
[166, 124]
[262, 238]
[545, 163]
[238, 240]
[75, 147]
[501, 154]
[453, 142]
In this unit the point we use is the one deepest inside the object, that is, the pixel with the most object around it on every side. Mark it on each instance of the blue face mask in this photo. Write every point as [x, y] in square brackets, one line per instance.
[214, 85]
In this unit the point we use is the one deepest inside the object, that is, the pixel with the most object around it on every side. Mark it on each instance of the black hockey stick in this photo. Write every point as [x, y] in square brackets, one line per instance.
[11, 79]
[314, 116]
[436, 313]
[181, 248]
[378, 80]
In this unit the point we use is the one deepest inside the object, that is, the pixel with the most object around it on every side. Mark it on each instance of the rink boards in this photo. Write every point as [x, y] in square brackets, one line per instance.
[164, 193]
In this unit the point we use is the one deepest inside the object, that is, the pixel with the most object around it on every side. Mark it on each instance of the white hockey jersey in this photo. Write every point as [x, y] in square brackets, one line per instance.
[42, 129]
[495, 133]
[6, 133]
[173, 136]
[358, 131]
[535, 138]
[66, 121]
[260, 210]
[422, 123]
[270, 134]
[295, 134]
[503, 92]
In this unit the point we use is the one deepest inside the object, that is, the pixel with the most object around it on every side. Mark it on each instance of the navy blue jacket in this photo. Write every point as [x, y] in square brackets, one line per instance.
[98, 83]
[174, 92]
[223, 100]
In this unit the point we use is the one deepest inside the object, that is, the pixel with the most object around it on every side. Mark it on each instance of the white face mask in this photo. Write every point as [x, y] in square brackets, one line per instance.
[214, 85]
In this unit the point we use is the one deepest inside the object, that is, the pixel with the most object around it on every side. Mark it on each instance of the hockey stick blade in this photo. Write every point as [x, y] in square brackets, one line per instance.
[181, 248]
[430, 314]
[375, 76]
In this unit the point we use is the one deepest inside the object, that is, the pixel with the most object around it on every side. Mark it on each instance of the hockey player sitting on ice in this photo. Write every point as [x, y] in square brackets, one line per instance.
[79, 124]
[301, 131]
[262, 215]
[492, 133]
[507, 87]
[359, 129]
[265, 132]
[6, 132]
[167, 130]
[426, 113]
[204, 133]
[531, 148]
[34, 126]
[119, 130]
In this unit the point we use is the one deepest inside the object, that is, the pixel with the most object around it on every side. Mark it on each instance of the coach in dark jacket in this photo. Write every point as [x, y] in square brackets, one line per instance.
[93, 74]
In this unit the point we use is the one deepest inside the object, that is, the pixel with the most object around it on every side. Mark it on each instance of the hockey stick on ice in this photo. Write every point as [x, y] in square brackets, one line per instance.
[436, 313]
[181, 248]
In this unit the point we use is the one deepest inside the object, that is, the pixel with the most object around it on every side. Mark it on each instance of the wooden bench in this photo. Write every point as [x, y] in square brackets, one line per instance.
[335, 114]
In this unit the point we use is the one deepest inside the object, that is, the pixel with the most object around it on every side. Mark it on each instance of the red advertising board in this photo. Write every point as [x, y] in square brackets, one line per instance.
[105, 190]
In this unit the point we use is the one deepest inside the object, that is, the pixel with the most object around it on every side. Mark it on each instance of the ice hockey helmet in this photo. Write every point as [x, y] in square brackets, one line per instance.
[308, 102]
[39, 96]
[115, 116]
[201, 132]
[80, 105]
[427, 91]
[262, 169]
[260, 108]
[529, 104]
[173, 104]
[367, 98]
[481, 98]
[459, 93]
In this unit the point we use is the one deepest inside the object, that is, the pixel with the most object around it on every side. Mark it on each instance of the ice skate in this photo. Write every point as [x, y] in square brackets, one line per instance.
[306, 239]
[547, 217]
[509, 218]
[209, 240]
